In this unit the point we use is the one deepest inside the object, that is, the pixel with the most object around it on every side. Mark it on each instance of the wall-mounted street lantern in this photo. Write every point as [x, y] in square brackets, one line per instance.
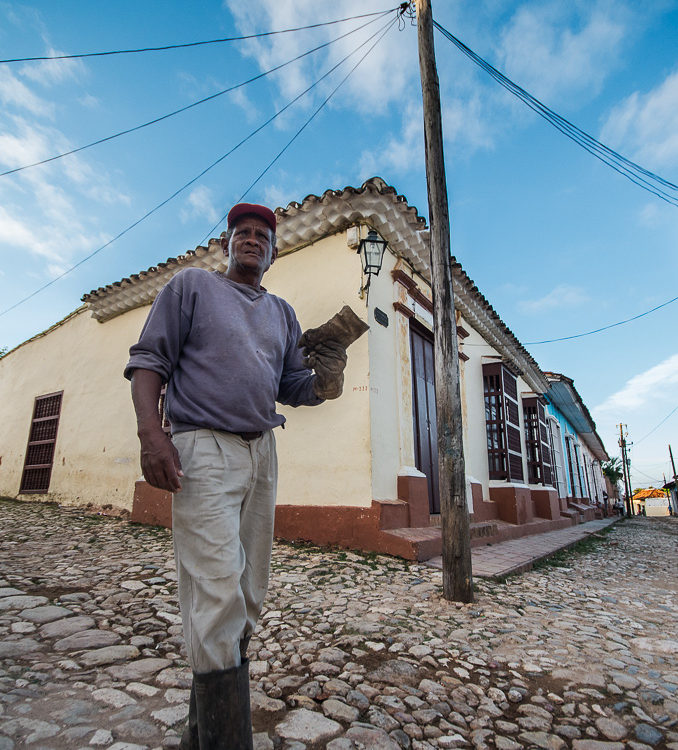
[371, 250]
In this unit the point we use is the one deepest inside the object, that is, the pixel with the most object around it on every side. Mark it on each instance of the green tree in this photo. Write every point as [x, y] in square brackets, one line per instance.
[613, 470]
[3, 351]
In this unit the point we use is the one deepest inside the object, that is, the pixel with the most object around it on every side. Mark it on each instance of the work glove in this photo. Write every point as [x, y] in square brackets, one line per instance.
[343, 328]
[324, 350]
[328, 361]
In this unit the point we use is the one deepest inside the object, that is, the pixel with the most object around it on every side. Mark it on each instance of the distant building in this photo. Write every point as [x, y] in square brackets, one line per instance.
[651, 502]
[578, 451]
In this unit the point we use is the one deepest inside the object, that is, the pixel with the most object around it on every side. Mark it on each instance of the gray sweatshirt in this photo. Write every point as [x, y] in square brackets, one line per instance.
[227, 352]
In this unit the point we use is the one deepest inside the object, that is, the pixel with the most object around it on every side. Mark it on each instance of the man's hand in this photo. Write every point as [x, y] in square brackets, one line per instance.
[324, 350]
[328, 360]
[160, 462]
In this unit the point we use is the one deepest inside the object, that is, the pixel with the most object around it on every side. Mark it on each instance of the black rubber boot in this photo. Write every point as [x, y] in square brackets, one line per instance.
[189, 739]
[223, 709]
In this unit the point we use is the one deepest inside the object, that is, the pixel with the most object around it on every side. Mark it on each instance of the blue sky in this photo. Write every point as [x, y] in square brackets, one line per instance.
[558, 242]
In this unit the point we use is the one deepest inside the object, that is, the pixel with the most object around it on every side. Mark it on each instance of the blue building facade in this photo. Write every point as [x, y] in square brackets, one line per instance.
[577, 450]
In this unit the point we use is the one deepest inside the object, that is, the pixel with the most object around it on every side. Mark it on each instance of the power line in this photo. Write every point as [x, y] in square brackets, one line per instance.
[640, 176]
[194, 104]
[597, 330]
[304, 126]
[604, 328]
[193, 44]
[656, 427]
[381, 31]
[652, 479]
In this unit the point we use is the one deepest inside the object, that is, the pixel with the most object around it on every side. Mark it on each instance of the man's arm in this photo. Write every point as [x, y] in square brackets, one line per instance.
[160, 462]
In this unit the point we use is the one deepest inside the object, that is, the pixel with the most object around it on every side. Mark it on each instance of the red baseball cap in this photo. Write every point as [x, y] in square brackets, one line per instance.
[248, 209]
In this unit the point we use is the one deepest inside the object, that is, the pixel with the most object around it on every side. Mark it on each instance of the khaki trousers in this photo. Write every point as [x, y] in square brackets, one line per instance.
[223, 532]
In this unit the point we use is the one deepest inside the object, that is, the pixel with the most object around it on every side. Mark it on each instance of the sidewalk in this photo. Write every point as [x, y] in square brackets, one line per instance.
[519, 555]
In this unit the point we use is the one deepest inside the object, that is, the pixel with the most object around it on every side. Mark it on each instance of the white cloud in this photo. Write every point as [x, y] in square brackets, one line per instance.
[22, 144]
[200, 204]
[376, 84]
[14, 92]
[46, 211]
[55, 269]
[57, 240]
[276, 195]
[49, 72]
[646, 125]
[551, 50]
[649, 214]
[89, 101]
[466, 123]
[657, 382]
[14, 232]
[563, 295]
[91, 182]
[249, 108]
[402, 151]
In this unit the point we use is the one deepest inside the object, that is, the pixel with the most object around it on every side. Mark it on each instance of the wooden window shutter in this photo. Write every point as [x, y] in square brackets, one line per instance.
[515, 453]
[583, 492]
[573, 466]
[502, 419]
[539, 469]
[41, 443]
[545, 439]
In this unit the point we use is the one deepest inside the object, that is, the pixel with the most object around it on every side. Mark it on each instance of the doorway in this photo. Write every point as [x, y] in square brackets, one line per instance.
[424, 411]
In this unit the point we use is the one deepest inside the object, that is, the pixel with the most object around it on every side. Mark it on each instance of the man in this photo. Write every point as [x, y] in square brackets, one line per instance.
[228, 350]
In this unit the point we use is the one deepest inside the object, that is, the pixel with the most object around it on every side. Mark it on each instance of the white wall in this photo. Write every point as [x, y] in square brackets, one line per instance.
[390, 386]
[96, 453]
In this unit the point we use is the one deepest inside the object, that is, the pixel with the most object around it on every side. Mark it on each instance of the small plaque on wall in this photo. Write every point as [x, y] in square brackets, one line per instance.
[381, 317]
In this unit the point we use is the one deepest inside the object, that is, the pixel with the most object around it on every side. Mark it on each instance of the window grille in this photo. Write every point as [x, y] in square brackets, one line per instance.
[41, 443]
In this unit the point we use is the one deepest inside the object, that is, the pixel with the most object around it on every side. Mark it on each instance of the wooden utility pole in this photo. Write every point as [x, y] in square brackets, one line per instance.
[625, 467]
[457, 576]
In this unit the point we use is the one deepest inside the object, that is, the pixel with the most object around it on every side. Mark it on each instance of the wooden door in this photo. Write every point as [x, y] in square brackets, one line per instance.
[424, 412]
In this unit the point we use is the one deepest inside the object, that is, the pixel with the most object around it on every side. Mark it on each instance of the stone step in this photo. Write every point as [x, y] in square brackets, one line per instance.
[588, 512]
[424, 543]
[480, 529]
[575, 515]
[414, 543]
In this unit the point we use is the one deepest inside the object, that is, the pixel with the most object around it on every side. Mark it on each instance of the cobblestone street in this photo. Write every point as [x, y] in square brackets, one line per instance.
[352, 651]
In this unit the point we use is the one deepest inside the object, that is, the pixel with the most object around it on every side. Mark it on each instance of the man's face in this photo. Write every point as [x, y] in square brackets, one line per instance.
[251, 245]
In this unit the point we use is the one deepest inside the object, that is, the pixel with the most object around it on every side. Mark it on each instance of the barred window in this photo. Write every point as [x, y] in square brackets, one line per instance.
[41, 443]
